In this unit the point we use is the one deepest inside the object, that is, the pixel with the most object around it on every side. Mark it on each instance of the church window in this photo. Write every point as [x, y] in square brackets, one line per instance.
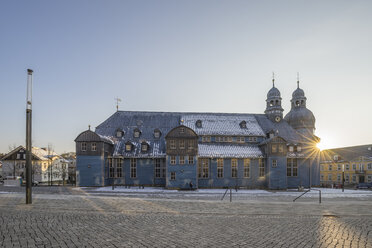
[159, 169]
[94, 146]
[133, 168]
[299, 148]
[83, 146]
[274, 163]
[292, 167]
[240, 139]
[252, 139]
[206, 138]
[182, 144]
[191, 160]
[247, 165]
[119, 167]
[234, 168]
[172, 144]
[273, 148]
[173, 160]
[290, 148]
[190, 144]
[277, 102]
[182, 159]
[111, 168]
[281, 148]
[297, 103]
[271, 103]
[173, 175]
[203, 168]
[220, 168]
[261, 167]
[302, 102]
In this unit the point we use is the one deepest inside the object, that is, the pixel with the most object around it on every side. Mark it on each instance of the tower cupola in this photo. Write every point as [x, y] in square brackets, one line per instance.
[300, 118]
[274, 110]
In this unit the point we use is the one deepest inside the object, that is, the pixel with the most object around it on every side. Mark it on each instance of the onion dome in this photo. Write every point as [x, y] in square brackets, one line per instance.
[273, 92]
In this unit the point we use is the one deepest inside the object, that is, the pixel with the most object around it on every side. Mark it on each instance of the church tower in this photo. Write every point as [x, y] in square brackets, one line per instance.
[274, 110]
[300, 118]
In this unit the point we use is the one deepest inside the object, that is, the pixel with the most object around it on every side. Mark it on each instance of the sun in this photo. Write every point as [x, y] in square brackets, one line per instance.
[322, 145]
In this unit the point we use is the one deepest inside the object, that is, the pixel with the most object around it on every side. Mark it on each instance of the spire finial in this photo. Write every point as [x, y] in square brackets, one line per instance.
[117, 99]
[298, 80]
[89, 127]
[273, 80]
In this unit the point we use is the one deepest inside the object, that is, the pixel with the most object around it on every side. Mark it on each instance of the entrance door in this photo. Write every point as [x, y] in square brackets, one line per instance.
[361, 179]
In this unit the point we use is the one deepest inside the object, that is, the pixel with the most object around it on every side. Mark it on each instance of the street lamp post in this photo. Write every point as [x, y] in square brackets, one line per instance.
[28, 138]
[343, 178]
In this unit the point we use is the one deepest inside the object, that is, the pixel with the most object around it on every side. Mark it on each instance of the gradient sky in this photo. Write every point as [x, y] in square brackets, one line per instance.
[200, 56]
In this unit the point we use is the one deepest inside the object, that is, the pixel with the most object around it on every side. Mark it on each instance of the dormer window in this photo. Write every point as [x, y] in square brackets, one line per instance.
[144, 147]
[335, 157]
[198, 123]
[136, 133]
[83, 146]
[299, 148]
[157, 133]
[290, 148]
[119, 133]
[128, 147]
[182, 130]
[243, 124]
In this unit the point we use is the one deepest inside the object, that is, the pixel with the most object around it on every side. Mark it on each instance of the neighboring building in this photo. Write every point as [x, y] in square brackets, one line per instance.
[71, 160]
[203, 150]
[355, 161]
[47, 166]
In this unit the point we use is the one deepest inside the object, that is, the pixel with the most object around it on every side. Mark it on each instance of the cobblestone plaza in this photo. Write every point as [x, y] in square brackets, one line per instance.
[74, 217]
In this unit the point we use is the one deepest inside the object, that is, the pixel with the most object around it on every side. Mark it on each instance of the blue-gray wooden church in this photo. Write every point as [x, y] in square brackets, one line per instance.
[203, 150]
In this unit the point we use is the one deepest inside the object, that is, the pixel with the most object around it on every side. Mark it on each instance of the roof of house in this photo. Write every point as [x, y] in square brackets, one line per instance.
[229, 151]
[350, 153]
[37, 152]
[228, 124]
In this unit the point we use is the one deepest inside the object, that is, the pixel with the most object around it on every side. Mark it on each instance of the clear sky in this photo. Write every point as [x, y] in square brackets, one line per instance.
[200, 56]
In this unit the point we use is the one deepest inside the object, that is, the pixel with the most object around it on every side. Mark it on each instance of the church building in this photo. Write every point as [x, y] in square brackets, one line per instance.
[203, 150]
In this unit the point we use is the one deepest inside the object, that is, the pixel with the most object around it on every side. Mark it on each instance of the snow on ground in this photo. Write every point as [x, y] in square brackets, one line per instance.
[326, 192]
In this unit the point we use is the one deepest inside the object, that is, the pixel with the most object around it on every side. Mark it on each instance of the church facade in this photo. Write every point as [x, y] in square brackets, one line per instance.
[203, 150]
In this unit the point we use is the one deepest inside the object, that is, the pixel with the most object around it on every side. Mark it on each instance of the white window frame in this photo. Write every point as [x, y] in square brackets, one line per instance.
[234, 168]
[94, 146]
[274, 163]
[173, 176]
[172, 144]
[247, 168]
[173, 160]
[83, 146]
[191, 160]
[182, 159]
[182, 144]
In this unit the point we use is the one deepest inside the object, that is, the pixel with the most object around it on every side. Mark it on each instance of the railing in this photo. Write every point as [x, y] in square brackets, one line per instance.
[320, 195]
[226, 193]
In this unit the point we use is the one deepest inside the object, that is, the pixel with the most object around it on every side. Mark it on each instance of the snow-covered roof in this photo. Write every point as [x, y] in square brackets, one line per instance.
[43, 153]
[229, 151]
[154, 150]
[223, 124]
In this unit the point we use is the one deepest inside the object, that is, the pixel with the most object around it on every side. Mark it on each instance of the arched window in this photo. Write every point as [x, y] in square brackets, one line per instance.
[297, 103]
[271, 103]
